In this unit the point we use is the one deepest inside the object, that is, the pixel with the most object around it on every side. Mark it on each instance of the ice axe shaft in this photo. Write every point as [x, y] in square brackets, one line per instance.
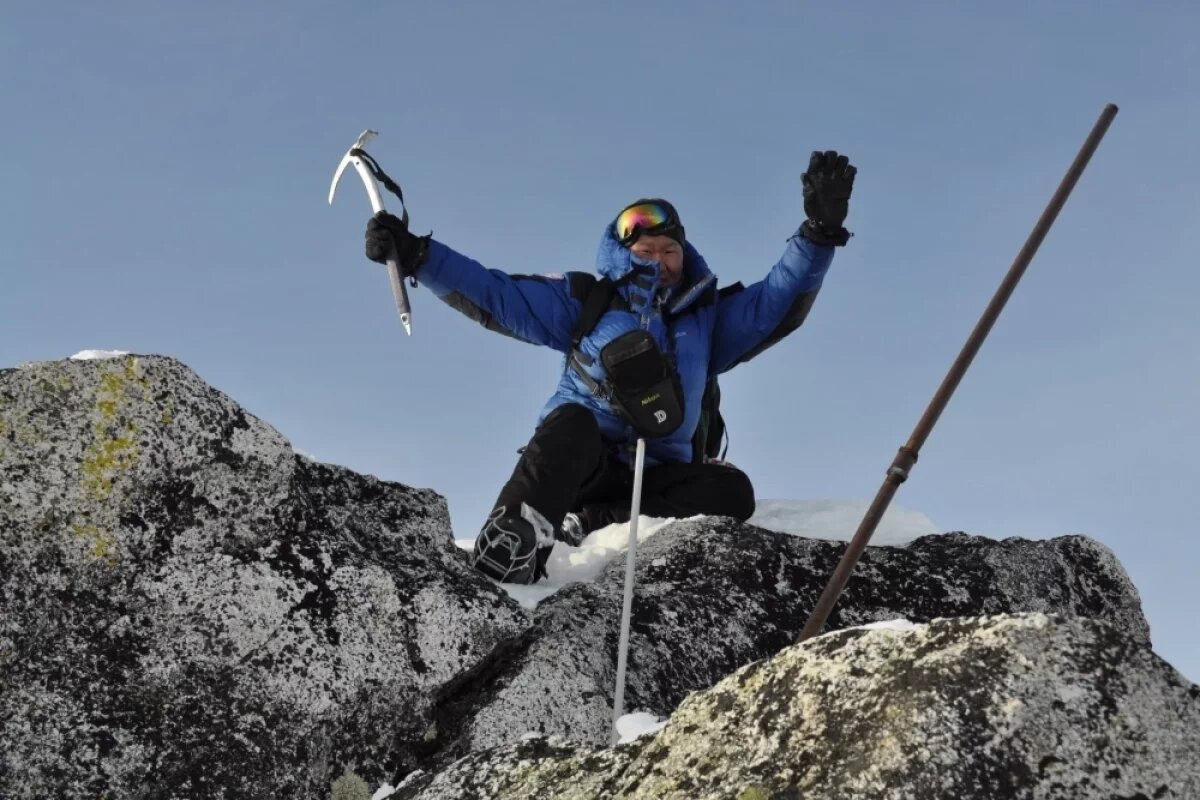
[399, 290]
[907, 457]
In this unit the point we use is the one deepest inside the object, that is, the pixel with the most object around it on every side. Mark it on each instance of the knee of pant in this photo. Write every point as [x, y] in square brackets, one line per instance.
[741, 497]
[576, 418]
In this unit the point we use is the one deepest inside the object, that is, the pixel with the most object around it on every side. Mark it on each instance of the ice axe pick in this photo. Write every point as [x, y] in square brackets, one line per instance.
[355, 156]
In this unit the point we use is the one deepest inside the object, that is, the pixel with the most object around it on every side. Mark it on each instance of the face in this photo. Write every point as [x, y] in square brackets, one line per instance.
[666, 251]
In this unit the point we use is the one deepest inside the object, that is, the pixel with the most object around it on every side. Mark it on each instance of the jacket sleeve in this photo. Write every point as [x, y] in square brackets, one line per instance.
[532, 308]
[757, 317]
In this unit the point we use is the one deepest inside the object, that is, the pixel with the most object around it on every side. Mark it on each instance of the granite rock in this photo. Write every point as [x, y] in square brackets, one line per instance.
[714, 594]
[1029, 707]
[188, 608]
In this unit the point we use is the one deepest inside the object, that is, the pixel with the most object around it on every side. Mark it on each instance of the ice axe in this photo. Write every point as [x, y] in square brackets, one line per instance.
[370, 173]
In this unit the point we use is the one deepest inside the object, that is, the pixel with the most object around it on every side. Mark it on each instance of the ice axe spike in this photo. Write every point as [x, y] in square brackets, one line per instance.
[399, 291]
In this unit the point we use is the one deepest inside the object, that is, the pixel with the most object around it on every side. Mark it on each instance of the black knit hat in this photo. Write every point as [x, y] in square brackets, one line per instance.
[668, 223]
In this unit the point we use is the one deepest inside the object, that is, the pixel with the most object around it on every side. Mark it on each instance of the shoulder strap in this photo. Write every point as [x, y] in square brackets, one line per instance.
[598, 299]
[594, 306]
[597, 296]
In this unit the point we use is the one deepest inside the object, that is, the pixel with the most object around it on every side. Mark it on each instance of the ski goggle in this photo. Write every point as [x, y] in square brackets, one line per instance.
[651, 218]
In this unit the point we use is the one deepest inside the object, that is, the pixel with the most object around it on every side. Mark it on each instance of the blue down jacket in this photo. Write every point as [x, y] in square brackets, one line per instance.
[708, 331]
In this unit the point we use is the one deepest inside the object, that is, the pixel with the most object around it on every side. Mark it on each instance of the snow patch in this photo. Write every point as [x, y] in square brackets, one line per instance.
[837, 520]
[902, 625]
[96, 355]
[815, 519]
[638, 724]
[888, 625]
[578, 564]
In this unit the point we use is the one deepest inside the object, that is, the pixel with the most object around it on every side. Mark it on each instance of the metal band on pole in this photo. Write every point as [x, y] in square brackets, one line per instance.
[907, 456]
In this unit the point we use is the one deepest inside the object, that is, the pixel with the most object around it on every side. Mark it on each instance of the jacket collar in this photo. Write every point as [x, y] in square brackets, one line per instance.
[614, 261]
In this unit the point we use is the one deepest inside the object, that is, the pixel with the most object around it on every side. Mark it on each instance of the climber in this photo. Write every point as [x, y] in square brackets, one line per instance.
[643, 344]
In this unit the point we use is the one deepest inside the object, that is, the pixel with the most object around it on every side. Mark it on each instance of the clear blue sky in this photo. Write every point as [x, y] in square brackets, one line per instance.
[165, 174]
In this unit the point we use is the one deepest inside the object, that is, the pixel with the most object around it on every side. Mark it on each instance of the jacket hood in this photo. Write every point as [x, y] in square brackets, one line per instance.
[614, 260]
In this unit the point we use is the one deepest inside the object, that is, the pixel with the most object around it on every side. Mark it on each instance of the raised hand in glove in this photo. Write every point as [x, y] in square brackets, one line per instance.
[827, 187]
[388, 237]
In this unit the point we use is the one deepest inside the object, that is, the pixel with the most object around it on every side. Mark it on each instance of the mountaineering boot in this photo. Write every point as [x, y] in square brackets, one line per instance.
[507, 549]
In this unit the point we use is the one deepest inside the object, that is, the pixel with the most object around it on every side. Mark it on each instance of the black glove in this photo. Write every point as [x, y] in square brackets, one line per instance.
[388, 237]
[827, 187]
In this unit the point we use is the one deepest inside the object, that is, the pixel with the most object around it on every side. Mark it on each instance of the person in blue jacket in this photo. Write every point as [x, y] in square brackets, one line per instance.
[574, 476]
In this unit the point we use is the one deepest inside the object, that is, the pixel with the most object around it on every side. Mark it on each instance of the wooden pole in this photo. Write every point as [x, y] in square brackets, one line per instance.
[907, 457]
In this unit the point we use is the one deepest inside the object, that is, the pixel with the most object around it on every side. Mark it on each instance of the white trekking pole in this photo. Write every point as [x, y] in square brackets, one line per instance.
[358, 158]
[627, 608]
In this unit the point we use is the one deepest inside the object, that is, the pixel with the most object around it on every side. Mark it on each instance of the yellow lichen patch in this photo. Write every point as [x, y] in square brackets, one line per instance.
[113, 451]
[103, 544]
[754, 793]
[114, 383]
[133, 372]
[105, 458]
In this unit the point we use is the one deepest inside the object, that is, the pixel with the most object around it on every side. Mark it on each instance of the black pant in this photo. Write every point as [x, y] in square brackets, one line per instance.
[569, 467]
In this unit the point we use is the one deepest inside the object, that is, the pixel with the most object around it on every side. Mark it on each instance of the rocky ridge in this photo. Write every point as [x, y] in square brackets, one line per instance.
[190, 609]
[1015, 706]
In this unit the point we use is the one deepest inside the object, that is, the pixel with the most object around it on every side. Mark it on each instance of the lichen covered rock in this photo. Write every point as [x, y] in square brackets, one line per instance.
[188, 608]
[1016, 706]
[714, 594]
